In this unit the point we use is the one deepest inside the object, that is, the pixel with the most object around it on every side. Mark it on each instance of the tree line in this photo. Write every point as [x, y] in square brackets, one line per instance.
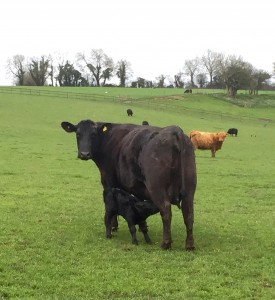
[212, 70]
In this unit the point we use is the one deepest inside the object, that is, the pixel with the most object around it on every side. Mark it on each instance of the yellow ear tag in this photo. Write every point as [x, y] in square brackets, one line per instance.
[104, 128]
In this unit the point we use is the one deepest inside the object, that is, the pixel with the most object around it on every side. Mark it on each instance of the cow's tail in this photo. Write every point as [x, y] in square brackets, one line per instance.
[188, 167]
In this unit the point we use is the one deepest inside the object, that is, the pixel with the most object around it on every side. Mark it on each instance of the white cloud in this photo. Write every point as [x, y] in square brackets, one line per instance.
[156, 36]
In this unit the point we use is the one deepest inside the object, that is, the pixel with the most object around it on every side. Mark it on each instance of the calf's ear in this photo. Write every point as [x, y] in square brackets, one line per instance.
[68, 127]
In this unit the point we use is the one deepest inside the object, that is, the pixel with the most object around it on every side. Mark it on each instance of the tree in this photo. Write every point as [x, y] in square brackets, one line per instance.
[123, 72]
[235, 73]
[39, 70]
[210, 62]
[191, 68]
[16, 65]
[258, 78]
[68, 75]
[161, 81]
[201, 79]
[178, 80]
[99, 64]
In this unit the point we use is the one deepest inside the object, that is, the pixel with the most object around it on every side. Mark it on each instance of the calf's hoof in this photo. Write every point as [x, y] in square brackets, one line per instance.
[114, 229]
[148, 241]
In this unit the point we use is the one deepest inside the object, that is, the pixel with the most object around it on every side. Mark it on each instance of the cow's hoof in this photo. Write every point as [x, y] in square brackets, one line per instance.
[166, 246]
[114, 229]
[135, 242]
[189, 246]
[108, 236]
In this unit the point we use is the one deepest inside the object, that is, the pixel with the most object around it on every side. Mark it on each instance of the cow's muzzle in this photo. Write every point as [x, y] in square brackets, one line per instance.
[84, 155]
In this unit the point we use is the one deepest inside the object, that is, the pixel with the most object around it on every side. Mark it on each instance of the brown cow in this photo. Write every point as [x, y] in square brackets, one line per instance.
[207, 140]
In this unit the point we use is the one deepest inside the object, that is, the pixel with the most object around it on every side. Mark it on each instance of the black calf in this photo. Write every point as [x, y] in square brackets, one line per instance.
[132, 209]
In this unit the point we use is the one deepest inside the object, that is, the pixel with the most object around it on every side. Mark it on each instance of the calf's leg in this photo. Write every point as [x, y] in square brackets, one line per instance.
[133, 232]
[144, 229]
[108, 223]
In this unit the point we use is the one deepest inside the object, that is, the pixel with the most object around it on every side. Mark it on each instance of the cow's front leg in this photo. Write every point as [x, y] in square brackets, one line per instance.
[213, 151]
[166, 216]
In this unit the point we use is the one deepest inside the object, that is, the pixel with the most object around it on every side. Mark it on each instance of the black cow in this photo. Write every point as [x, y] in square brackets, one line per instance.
[129, 112]
[150, 162]
[232, 131]
[145, 123]
[188, 91]
[132, 209]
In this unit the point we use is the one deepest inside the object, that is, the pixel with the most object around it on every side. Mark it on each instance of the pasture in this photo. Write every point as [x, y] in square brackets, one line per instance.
[52, 241]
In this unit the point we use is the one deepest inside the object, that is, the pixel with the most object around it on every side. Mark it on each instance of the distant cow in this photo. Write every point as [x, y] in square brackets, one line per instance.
[207, 140]
[150, 162]
[232, 131]
[129, 112]
[145, 123]
[132, 209]
[188, 91]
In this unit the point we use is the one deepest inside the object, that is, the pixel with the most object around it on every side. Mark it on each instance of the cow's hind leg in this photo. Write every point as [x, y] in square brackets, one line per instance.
[188, 216]
[166, 215]
[144, 229]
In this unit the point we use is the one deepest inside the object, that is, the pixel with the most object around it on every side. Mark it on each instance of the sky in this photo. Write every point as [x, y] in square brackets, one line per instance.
[155, 36]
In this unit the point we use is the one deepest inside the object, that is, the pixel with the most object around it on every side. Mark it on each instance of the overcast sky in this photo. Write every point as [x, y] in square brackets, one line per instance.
[155, 36]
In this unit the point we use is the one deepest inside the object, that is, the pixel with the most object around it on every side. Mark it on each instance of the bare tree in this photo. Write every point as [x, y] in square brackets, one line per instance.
[99, 64]
[210, 62]
[39, 70]
[178, 80]
[16, 66]
[123, 72]
[191, 68]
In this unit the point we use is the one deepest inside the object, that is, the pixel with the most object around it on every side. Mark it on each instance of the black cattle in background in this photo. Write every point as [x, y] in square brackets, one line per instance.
[129, 112]
[232, 131]
[145, 123]
[188, 91]
[132, 209]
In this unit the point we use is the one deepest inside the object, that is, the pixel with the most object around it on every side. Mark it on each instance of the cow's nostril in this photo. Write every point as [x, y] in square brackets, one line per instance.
[85, 155]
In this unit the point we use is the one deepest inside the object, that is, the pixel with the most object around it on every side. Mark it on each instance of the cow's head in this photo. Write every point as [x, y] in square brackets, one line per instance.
[87, 136]
[222, 136]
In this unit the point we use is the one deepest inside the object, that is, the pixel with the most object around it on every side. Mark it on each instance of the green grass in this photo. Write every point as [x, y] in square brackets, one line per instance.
[52, 243]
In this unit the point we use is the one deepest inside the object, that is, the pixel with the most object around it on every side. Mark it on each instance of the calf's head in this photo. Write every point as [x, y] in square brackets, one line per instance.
[87, 136]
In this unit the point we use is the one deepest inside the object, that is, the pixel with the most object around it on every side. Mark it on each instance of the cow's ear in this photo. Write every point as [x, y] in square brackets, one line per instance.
[68, 127]
[104, 127]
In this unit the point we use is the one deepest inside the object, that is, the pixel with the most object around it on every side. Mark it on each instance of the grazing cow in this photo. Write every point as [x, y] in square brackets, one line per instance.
[207, 140]
[188, 91]
[232, 131]
[129, 112]
[150, 162]
[145, 123]
[132, 209]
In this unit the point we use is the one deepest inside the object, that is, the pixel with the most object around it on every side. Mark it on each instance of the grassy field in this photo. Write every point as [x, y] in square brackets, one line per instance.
[52, 241]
